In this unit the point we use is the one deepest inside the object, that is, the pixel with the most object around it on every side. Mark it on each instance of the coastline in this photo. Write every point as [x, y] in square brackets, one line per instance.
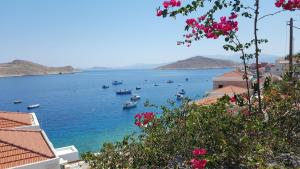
[226, 67]
[54, 73]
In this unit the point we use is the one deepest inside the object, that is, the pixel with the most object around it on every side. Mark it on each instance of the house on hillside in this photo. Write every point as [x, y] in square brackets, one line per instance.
[24, 145]
[214, 95]
[280, 68]
[234, 78]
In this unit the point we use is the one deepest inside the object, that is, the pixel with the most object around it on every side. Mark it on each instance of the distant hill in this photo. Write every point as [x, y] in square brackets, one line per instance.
[199, 62]
[22, 68]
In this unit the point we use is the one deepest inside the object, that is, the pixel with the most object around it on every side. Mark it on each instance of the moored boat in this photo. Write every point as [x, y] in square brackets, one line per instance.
[117, 82]
[182, 91]
[138, 88]
[33, 106]
[179, 96]
[105, 87]
[17, 101]
[123, 92]
[129, 105]
[170, 81]
[135, 97]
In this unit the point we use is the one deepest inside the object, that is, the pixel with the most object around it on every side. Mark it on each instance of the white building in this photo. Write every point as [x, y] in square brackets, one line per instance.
[23, 145]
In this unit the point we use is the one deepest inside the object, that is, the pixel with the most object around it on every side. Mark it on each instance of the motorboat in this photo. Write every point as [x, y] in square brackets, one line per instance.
[129, 105]
[135, 98]
[179, 96]
[186, 79]
[117, 82]
[123, 92]
[33, 106]
[105, 87]
[138, 88]
[170, 81]
[155, 84]
[182, 91]
[17, 101]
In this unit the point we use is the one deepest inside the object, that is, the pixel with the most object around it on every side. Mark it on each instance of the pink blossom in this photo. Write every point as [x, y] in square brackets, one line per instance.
[198, 164]
[159, 13]
[199, 151]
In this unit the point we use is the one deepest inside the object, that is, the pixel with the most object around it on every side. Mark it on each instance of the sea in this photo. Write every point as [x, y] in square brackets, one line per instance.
[76, 110]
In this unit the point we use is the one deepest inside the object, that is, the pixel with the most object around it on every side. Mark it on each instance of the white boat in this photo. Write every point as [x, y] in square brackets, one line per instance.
[17, 101]
[33, 106]
[182, 91]
[117, 82]
[135, 97]
[179, 96]
[123, 92]
[129, 105]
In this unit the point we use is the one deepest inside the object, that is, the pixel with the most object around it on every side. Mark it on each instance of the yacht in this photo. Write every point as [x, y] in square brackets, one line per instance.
[182, 91]
[129, 105]
[179, 96]
[123, 92]
[17, 101]
[117, 82]
[135, 98]
[33, 106]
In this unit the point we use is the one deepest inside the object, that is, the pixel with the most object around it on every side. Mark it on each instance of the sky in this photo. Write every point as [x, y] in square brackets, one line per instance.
[116, 33]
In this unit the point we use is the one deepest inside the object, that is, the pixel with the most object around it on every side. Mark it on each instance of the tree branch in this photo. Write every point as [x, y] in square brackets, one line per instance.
[271, 14]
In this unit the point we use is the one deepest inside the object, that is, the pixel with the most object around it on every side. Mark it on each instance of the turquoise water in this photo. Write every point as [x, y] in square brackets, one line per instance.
[75, 110]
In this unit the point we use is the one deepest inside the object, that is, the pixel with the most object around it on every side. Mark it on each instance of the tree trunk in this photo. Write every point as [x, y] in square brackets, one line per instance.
[257, 53]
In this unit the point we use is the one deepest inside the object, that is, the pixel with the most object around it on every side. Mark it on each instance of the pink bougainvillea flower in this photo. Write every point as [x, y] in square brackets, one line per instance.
[143, 119]
[159, 13]
[198, 164]
[166, 4]
[199, 151]
[233, 99]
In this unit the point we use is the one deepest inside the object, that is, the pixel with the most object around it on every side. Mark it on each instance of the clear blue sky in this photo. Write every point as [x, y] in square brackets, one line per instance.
[113, 33]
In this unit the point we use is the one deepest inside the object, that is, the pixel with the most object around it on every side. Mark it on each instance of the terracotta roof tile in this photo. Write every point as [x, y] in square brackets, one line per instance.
[230, 76]
[20, 147]
[228, 90]
[207, 100]
[15, 119]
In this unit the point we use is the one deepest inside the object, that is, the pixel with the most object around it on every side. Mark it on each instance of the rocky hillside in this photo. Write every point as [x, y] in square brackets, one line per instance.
[199, 62]
[22, 68]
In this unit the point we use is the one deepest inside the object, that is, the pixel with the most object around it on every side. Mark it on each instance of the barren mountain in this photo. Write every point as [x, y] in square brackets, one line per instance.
[22, 68]
[199, 62]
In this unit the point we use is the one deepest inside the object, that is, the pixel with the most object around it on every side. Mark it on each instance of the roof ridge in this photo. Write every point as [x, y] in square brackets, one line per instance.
[32, 151]
[15, 112]
[20, 130]
[15, 121]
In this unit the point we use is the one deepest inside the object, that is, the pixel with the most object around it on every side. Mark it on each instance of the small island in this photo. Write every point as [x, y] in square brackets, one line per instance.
[199, 62]
[26, 68]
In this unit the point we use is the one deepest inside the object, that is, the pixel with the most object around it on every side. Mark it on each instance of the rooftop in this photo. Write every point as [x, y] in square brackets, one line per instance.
[207, 100]
[15, 119]
[230, 76]
[228, 90]
[20, 147]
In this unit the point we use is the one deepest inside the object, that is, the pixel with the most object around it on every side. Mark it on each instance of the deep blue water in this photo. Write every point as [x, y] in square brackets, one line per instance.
[75, 110]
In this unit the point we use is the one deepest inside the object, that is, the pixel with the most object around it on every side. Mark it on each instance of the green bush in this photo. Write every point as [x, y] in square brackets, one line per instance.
[232, 137]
